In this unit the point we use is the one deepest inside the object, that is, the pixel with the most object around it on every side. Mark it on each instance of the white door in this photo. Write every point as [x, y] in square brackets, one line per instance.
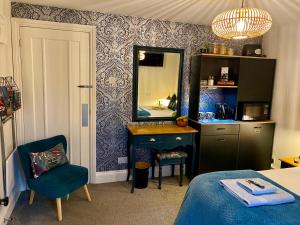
[53, 64]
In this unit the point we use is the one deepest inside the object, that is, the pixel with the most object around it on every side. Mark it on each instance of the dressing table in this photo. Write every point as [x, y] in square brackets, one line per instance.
[160, 137]
[156, 96]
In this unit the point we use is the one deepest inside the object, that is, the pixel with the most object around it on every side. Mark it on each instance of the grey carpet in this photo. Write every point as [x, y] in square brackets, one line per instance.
[112, 204]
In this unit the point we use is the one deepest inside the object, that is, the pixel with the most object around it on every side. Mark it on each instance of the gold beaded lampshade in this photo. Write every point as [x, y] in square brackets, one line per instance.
[242, 23]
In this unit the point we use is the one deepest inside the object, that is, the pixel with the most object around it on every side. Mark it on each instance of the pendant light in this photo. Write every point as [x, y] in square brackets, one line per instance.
[242, 23]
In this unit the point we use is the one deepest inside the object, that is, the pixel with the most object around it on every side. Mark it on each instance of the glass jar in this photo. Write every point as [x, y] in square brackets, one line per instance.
[203, 82]
[222, 49]
[216, 48]
[210, 80]
[230, 51]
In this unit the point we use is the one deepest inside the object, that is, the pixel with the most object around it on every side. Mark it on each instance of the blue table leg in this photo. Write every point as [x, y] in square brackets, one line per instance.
[132, 150]
[128, 158]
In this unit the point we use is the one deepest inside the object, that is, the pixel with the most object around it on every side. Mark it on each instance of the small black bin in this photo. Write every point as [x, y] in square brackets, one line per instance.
[141, 174]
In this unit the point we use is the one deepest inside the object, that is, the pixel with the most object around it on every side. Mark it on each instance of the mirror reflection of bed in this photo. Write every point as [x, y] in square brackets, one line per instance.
[158, 74]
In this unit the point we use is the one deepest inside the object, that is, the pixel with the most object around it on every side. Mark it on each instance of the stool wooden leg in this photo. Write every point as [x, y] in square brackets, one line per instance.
[58, 208]
[86, 190]
[160, 176]
[173, 168]
[32, 192]
[181, 174]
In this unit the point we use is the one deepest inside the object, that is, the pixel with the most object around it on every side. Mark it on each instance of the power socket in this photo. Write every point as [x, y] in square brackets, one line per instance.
[122, 160]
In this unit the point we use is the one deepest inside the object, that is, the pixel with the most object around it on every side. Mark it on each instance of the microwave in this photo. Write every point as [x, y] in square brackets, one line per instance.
[253, 111]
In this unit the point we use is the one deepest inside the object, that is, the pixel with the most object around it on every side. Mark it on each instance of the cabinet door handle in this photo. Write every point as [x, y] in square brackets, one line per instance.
[152, 140]
[257, 127]
[221, 128]
[178, 138]
[221, 139]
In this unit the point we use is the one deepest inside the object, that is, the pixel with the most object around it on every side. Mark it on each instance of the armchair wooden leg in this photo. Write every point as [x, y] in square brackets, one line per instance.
[58, 208]
[32, 192]
[87, 193]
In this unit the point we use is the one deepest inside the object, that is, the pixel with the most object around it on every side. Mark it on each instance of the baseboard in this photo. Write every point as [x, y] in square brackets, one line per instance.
[121, 175]
[110, 176]
[6, 211]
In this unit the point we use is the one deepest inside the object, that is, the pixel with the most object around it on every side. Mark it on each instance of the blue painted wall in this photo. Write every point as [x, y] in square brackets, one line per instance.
[116, 36]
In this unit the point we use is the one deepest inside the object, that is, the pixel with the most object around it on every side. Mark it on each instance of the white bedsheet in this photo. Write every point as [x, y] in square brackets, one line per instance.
[158, 112]
[288, 178]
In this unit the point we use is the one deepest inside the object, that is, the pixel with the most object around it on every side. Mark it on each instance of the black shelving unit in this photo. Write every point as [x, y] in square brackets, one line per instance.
[253, 77]
[237, 144]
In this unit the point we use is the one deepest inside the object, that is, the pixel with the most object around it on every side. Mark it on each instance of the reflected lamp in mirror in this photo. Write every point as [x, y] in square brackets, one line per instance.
[157, 77]
[163, 103]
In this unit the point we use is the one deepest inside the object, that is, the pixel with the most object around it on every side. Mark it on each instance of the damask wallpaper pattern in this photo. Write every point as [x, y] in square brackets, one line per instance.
[116, 36]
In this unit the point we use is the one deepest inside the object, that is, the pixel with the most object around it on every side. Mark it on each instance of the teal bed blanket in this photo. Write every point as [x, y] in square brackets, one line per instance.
[208, 203]
[143, 113]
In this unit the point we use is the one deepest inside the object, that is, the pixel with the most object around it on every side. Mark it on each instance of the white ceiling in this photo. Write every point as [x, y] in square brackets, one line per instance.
[187, 11]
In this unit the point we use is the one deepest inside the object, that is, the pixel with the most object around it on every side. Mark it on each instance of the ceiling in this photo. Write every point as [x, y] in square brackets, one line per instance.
[187, 11]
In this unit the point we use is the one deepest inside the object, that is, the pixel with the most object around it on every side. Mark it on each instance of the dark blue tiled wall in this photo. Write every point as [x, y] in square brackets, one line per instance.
[210, 96]
[208, 99]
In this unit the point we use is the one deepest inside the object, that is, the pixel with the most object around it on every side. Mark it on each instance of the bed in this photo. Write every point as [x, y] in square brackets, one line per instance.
[207, 203]
[150, 111]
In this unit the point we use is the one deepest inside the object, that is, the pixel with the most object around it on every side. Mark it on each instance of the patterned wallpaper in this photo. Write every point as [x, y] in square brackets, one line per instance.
[116, 36]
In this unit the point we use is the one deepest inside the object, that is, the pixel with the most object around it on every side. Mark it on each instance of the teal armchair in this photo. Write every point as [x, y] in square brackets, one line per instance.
[58, 182]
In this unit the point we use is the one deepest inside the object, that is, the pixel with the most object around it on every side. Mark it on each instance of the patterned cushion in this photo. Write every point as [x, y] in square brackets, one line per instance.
[42, 162]
[171, 155]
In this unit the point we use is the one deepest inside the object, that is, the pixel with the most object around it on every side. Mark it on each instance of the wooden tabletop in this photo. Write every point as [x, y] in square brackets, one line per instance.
[159, 129]
[290, 160]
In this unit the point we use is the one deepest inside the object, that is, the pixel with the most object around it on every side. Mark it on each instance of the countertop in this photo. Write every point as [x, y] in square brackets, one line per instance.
[159, 129]
[216, 121]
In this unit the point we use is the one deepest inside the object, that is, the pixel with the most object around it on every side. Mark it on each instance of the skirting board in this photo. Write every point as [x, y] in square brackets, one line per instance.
[5, 212]
[121, 175]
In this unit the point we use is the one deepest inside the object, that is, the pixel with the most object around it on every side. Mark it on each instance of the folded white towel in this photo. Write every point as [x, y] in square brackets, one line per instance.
[278, 197]
[257, 186]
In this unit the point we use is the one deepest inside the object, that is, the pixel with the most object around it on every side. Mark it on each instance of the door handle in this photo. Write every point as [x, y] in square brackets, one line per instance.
[152, 140]
[85, 86]
[221, 139]
[221, 128]
[178, 138]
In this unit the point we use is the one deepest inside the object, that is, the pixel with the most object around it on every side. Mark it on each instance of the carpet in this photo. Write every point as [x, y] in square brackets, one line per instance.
[112, 204]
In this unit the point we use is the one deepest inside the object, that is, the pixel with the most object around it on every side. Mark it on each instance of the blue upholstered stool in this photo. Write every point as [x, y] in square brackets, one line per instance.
[169, 158]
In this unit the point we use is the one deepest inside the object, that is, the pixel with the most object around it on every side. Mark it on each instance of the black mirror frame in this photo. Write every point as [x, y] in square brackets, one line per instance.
[136, 50]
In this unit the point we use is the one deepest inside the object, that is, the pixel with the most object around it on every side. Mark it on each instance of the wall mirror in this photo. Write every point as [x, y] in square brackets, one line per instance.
[157, 74]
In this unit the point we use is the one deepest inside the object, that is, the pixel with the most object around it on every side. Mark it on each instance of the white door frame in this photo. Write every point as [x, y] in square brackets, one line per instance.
[17, 23]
